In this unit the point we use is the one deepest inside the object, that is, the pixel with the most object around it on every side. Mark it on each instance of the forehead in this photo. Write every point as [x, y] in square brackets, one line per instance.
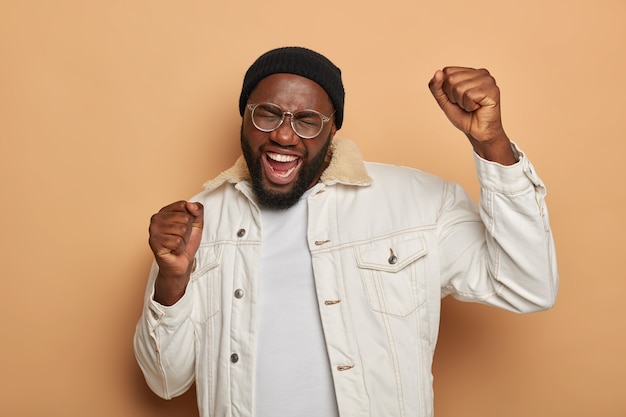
[291, 92]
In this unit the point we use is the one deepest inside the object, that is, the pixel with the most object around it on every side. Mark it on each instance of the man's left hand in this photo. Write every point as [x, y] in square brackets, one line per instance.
[470, 99]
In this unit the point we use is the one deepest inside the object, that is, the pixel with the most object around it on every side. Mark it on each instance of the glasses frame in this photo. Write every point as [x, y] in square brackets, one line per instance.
[325, 119]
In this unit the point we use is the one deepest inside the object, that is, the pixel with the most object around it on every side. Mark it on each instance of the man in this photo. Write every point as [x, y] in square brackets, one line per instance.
[306, 282]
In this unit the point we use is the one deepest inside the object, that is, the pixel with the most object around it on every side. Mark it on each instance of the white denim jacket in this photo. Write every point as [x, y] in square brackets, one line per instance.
[387, 243]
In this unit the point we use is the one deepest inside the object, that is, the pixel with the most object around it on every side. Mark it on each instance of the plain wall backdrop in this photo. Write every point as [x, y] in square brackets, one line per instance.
[111, 109]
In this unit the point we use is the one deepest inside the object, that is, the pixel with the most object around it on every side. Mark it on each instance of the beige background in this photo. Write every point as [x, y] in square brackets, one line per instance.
[110, 109]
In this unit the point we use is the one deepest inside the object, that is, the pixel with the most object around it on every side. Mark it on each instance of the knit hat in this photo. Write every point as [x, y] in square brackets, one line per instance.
[298, 61]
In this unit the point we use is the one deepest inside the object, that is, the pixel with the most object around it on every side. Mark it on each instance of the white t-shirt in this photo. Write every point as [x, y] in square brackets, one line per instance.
[293, 376]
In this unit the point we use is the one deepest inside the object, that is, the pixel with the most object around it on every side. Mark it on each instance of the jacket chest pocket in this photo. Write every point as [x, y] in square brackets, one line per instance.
[205, 278]
[393, 274]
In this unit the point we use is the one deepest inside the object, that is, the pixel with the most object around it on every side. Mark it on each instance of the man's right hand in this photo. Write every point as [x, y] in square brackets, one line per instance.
[175, 234]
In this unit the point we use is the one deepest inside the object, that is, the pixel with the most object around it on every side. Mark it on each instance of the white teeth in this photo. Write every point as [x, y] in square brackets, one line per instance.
[281, 158]
[284, 174]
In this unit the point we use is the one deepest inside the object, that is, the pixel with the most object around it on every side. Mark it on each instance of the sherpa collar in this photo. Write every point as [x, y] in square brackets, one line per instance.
[346, 167]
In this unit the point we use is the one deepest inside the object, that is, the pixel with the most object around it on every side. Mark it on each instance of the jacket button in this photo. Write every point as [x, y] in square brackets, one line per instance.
[241, 232]
[238, 293]
[234, 358]
[392, 257]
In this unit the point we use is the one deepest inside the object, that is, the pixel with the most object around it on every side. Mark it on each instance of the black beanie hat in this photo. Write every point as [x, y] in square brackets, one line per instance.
[298, 61]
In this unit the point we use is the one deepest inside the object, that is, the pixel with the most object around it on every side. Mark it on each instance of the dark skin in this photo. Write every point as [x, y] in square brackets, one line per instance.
[175, 234]
[469, 98]
[283, 165]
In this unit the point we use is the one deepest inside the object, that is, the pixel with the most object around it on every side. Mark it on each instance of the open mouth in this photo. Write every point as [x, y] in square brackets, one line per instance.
[280, 168]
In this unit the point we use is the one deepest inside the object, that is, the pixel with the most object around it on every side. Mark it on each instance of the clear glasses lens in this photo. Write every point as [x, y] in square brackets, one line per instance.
[268, 117]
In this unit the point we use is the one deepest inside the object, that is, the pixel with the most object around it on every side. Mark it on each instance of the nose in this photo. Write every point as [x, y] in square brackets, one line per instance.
[284, 134]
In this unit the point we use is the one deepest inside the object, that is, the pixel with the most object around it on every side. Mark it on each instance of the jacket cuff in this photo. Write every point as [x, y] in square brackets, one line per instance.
[169, 316]
[507, 179]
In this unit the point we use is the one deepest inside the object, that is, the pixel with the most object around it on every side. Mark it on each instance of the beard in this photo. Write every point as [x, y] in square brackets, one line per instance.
[281, 200]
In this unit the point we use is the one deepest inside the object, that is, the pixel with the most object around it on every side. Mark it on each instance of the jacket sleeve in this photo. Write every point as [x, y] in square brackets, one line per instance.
[164, 343]
[506, 256]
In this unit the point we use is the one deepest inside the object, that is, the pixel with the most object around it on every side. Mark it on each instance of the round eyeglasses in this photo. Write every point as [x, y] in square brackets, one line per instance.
[268, 117]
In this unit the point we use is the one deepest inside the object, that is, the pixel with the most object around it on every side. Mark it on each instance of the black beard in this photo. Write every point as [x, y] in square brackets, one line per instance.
[282, 200]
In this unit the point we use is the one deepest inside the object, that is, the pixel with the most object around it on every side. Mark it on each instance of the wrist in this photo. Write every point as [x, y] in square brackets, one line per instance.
[168, 290]
[499, 150]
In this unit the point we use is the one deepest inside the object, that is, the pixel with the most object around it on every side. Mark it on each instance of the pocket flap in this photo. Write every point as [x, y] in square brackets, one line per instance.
[207, 258]
[391, 254]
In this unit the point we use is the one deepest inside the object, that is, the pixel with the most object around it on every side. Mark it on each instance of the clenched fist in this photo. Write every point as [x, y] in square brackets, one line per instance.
[175, 234]
[470, 99]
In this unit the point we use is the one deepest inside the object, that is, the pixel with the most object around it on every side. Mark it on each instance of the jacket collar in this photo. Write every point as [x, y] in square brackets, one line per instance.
[346, 167]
